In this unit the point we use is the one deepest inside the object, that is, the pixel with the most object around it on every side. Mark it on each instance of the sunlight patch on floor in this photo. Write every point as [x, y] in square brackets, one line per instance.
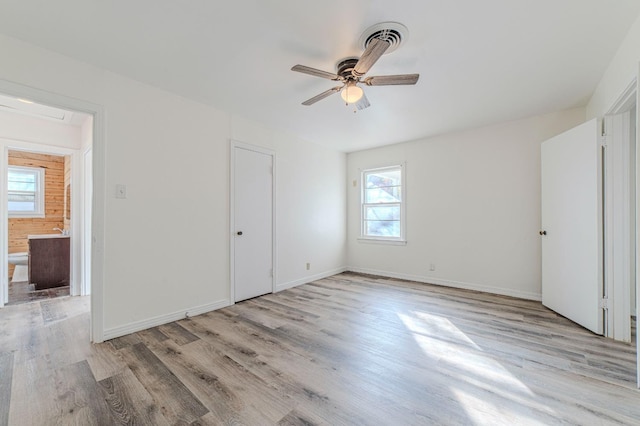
[482, 412]
[459, 356]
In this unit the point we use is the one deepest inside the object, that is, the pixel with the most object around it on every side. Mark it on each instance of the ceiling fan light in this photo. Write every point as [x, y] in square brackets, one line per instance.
[351, 93]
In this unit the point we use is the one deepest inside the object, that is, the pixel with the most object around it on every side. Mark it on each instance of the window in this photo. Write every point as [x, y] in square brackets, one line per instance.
[25, 191]
[383, 204]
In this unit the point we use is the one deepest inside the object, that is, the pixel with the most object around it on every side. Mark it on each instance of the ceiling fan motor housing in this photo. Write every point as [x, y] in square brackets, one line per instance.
[345, 66]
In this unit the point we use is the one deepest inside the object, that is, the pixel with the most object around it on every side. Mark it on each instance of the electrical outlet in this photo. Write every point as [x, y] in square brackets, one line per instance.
[308, 266]
[432, 267]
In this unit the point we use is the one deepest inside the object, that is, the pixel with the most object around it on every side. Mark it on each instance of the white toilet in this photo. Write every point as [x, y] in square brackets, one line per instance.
[21, 260]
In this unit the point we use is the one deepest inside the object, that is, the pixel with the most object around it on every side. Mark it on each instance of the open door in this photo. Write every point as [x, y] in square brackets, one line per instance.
[572, 226]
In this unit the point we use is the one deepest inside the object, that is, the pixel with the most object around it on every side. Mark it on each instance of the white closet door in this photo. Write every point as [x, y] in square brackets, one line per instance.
[253, 222]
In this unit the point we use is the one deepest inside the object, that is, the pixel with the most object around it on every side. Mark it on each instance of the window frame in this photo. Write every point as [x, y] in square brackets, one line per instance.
[401, 239]
[39, 211]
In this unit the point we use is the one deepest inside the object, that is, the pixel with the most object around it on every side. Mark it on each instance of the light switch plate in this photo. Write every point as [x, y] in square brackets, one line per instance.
[121, 191]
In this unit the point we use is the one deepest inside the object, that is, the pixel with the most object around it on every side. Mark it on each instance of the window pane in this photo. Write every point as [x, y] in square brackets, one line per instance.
[22, 181]
[382, 228]
[23, 186]
[22, 206]
[22, 197]
[382, 203]
[383, 178]
[390, 194]
[382, 212]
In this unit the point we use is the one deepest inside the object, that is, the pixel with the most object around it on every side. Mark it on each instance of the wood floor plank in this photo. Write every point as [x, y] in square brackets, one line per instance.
[152, 335]
[52, 311]
[295, 418]
[129, 402]
[176, 402]
[33, 393]
[80, 398]
[104, 361]
[6, 377]
[233, 394]
[177, 333]
[125, 341]
[67, 339]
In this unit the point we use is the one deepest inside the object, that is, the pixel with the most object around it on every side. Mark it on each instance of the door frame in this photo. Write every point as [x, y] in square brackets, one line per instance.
[87, 188]
[618, 229]
[98, 200]
[233, 145]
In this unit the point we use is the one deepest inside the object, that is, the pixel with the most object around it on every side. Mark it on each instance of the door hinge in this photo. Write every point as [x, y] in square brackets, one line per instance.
[603, 303]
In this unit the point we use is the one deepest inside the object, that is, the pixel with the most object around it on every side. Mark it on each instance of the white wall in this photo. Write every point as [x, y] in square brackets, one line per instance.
[31, 129]
[473, 207]
[166, 245]
[620, 72]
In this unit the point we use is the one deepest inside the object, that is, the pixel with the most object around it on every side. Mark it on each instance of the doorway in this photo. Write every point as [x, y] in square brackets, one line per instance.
[252, 221]
[47, 141]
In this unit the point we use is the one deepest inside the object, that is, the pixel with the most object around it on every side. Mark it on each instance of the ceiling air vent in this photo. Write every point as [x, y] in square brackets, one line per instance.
[393, 32]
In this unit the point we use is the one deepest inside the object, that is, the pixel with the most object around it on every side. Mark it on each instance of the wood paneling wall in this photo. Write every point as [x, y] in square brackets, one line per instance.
[54, 172]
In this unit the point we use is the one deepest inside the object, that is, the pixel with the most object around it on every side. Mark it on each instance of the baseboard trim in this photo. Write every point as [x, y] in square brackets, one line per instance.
[134, 327]
[448, 283]
[310, 278]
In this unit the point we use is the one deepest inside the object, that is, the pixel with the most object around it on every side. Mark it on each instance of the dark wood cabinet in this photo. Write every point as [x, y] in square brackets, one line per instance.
[49, 262]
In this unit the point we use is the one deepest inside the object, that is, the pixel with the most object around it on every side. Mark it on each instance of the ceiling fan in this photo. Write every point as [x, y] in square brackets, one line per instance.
[351, 71]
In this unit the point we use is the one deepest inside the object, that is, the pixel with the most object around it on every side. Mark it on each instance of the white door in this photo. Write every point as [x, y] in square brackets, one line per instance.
[572, 223]
[252, 225]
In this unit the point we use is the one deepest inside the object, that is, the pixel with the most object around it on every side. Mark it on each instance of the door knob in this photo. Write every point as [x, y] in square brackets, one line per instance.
[239, 232]
[543, 232]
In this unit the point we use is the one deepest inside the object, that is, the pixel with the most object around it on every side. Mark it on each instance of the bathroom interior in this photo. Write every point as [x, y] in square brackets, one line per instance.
[39, 219]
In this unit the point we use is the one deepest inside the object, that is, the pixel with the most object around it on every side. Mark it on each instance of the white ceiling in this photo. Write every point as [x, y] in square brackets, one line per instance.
[480, 62]
[11, 105]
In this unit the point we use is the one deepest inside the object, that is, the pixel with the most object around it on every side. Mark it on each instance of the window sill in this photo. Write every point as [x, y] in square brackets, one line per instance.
[26, 216]
[382, 241]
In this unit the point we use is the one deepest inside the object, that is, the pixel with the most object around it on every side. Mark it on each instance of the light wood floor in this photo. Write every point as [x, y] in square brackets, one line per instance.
[350, 349]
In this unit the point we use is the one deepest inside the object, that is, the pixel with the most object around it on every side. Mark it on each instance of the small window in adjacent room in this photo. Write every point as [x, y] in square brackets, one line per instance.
[25, 191]
[382, 214]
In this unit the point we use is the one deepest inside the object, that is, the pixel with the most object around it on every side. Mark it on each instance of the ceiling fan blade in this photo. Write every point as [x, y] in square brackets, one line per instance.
[315, 72]
[374, 50]
[322, 95]
[363, 103]
[391, 80]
